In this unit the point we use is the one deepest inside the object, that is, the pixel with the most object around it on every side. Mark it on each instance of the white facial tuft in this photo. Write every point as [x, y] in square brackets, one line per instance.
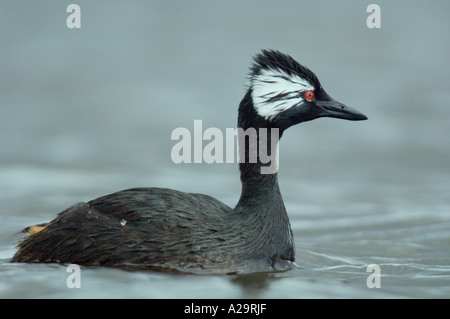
[274, 91]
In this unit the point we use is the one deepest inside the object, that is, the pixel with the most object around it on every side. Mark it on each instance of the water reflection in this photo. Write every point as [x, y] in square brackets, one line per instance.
[254, 284]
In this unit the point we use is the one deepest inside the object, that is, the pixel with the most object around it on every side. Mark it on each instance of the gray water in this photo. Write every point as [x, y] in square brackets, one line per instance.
[87, 112]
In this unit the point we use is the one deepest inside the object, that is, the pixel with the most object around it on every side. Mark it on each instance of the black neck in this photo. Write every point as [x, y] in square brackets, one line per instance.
[257, 159]
[261, 204]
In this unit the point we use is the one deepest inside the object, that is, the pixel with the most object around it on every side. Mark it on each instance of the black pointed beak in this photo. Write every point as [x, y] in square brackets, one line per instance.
[338, 110]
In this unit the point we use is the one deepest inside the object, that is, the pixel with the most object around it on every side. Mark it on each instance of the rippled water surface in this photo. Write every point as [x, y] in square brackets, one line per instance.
[88, 112]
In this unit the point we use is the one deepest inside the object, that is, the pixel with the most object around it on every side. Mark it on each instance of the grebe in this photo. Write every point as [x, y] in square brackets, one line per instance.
[169, 230]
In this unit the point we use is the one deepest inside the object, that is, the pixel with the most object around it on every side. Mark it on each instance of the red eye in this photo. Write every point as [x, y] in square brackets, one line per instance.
[309, 95]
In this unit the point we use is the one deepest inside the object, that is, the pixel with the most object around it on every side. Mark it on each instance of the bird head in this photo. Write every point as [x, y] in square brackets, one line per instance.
[282, 93]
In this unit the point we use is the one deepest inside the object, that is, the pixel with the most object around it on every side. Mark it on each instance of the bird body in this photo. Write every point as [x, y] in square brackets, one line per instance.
[168, 230]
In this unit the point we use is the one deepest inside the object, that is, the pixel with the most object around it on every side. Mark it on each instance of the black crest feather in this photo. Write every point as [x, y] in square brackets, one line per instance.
[276, 60]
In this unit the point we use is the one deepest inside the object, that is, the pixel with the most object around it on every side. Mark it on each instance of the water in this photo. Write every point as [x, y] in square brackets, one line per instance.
[88, 112]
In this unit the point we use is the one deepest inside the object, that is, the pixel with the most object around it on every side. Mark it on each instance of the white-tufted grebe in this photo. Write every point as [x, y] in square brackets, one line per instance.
[164, 229]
